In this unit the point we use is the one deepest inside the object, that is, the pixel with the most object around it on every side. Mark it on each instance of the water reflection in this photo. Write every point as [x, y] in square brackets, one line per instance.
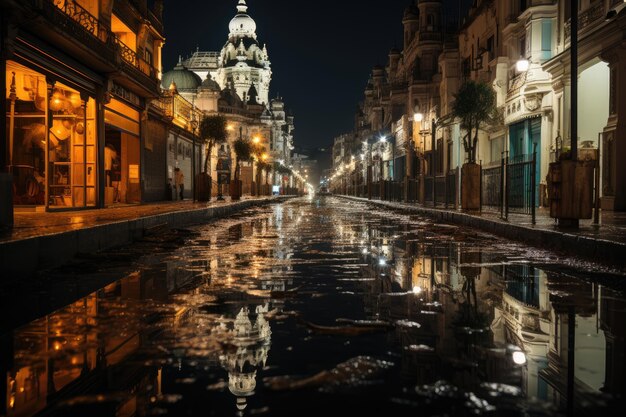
[463, 323]
[484, 319]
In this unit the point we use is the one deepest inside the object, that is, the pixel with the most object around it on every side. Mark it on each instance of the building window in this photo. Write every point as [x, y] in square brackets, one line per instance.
[490, 48]
[147, 56]
[546, 37]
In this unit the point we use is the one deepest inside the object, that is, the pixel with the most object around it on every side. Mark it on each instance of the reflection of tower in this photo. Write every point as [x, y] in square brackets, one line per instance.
[252, 342]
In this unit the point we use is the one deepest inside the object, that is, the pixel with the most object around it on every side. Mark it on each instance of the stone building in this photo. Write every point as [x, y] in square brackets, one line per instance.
[520, 48]
[235, 83]
[78, 78]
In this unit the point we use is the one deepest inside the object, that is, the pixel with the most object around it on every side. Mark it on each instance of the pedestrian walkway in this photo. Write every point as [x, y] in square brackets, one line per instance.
[30, 224]
[45, 240]
[605, 242]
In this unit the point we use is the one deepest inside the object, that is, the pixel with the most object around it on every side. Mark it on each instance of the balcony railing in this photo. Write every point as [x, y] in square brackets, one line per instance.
[129, 56]
[586, 18]
[92, 33]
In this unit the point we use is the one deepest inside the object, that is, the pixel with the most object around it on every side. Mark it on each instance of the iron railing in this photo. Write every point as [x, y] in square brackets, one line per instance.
[87, 28]
[428, 189]
[413, 195]
[451, 188]
[491, 185]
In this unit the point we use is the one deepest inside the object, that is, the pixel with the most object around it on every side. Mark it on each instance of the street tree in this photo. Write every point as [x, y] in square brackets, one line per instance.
[243, 153]
[213, 132]
[475, 106]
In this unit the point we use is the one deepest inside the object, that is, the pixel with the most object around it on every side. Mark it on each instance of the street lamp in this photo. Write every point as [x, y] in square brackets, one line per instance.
[522, 64]
[418, 117]
[383, 139]
[194, 126]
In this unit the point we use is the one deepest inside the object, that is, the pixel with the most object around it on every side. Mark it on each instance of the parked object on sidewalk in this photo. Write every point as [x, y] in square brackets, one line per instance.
[203, 187]
[571, 190]
[470, 186]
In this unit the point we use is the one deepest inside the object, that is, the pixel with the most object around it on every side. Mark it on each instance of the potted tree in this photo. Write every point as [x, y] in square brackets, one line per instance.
[213, 132]
[475, 106]
[268, 169]
[243, 152]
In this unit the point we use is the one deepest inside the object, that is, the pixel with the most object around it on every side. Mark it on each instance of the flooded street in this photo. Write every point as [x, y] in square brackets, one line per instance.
[316, 307]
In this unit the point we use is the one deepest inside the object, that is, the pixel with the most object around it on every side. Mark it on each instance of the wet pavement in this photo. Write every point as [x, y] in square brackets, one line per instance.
[322, 306]
[30, 223]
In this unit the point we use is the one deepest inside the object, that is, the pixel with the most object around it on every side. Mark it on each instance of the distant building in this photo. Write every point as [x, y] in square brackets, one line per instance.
[235, 82]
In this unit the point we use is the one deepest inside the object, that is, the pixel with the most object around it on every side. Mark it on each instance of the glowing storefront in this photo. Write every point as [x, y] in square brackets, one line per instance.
[52, 141]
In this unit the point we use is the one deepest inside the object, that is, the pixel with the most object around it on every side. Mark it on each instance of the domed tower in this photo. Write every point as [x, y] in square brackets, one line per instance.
[430, 35]
[243, 60]
[394, 60]
[185, 81]
[430, 16]
[410, 21]
[208, 95]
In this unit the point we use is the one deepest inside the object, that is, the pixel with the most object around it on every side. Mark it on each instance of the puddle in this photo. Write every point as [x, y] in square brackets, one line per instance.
[309, 308]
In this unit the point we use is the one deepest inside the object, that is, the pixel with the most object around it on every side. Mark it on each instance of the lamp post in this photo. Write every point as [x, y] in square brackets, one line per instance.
[433, 126]
[418, 117]
[194, 126]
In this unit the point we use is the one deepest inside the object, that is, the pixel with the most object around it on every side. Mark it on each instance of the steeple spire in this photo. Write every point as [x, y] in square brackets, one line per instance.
[242, 7]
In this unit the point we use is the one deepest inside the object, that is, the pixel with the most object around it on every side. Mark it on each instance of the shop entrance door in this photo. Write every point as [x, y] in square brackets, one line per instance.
[121, 168]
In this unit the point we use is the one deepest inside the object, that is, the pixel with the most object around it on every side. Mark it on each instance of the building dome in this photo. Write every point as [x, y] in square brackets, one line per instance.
[210, 84]
[242, 25]
[411, 13]
[185, 80]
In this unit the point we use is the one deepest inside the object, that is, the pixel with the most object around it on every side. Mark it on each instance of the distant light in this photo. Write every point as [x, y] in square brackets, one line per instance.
[383, 138]
[364, 251]
[519, 357]
[418, 117]
[382, 262]
[417, 290]
[522, 65]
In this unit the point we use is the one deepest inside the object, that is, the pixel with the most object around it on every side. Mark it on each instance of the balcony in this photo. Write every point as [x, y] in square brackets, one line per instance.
[70, 18]
[99, 46]
[586, 19]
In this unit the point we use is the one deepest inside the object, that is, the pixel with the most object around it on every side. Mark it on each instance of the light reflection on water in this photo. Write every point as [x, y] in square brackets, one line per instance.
[330, 306]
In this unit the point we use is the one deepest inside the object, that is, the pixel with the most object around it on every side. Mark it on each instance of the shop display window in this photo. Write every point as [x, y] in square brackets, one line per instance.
[52, 141]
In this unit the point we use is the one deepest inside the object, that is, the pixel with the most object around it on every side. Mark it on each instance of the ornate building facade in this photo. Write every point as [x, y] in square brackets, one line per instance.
[235, 82]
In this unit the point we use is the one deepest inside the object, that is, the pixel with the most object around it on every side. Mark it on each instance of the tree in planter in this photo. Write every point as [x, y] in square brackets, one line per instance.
[213, 132]
[243, 153]
[262, 166]
[281, 170]
[268, 169]
[475, 106]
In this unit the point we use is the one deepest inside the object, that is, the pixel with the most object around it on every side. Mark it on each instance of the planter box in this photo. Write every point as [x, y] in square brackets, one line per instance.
[235, 190]
[571, 189]
[470, 187]
[203, 187]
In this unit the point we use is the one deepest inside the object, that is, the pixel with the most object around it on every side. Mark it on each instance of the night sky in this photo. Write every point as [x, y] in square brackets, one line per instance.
[321, 51]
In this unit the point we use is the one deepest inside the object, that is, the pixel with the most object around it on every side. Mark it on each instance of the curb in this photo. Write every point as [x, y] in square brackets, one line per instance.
[26, 256]
[592, 249]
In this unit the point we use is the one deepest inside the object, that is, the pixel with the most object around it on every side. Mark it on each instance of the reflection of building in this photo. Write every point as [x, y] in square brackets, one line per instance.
[523, 320]
[78, 77]
[252, 345]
